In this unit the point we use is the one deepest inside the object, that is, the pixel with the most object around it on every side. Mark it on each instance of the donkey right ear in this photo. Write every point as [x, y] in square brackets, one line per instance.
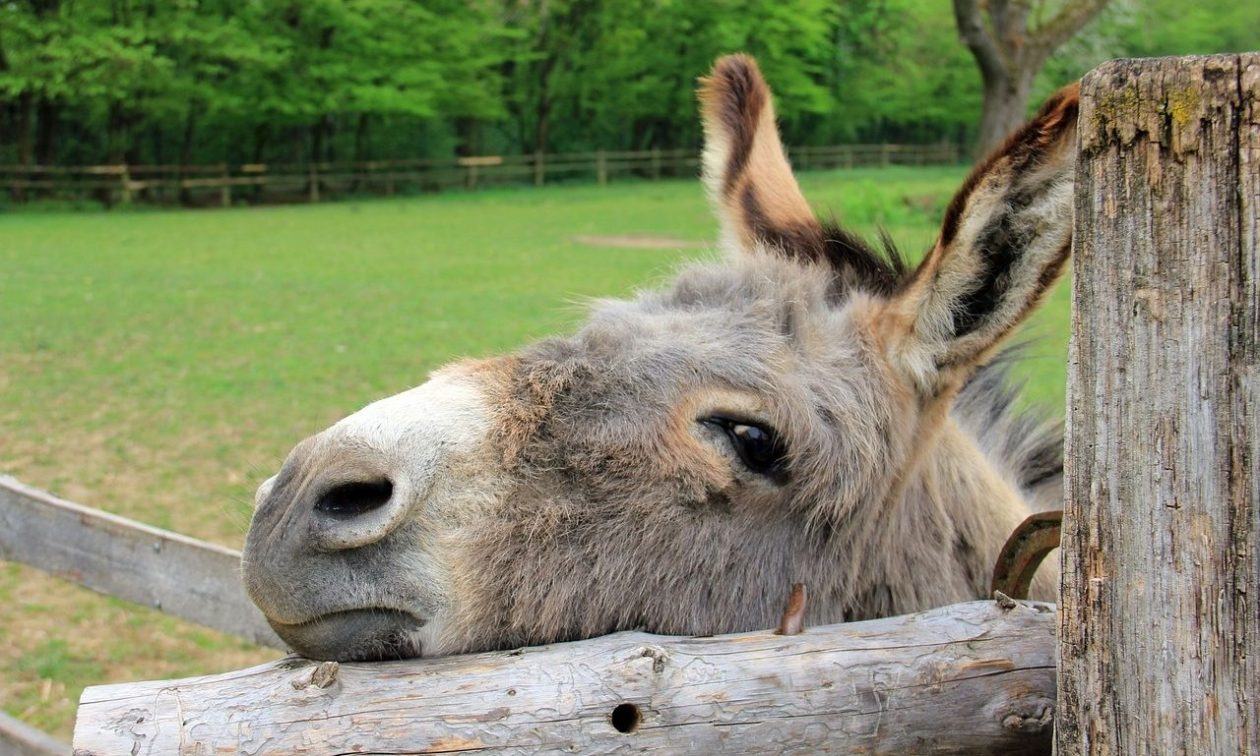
[748, 177]
[1004, 242]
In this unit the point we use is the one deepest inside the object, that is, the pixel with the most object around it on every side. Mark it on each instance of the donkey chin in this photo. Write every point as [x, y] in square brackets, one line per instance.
[357, 635]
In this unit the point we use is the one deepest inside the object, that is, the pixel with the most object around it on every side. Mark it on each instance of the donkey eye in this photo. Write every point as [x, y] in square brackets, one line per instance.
[758, 447]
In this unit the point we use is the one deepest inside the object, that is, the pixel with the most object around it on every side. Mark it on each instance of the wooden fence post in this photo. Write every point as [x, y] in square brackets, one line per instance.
[124, 184]
[225, 191]
[656, 163]
[1159, 628]
[540, 168]
[601, 167]
[312, 177]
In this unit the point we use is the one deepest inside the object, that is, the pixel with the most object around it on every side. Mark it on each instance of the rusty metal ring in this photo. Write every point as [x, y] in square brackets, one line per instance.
[1024, 551]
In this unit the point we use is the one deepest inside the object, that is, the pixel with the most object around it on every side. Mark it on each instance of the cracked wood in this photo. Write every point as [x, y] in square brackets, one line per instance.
[970, 678]
[1159, 623]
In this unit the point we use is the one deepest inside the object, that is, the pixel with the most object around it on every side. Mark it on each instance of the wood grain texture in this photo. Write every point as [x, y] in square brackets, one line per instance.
[1159, 624]
[971, 678]
[182, 576]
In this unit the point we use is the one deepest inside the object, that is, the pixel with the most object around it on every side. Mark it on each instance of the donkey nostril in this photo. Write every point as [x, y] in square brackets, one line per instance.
[354, 499]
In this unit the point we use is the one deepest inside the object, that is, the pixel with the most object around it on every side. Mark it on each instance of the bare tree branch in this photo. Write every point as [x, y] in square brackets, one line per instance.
[971, 27]
[1072, 17]
[1010, 47]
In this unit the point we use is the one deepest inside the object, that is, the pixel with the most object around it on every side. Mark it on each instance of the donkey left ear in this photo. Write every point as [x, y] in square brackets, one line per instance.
[748, 177]
[1005, 241]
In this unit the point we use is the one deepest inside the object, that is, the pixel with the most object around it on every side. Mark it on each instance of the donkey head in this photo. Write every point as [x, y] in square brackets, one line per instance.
[806, 411]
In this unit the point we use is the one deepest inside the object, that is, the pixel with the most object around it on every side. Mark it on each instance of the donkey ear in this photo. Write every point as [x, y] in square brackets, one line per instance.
[747, 175]
[1004, 242]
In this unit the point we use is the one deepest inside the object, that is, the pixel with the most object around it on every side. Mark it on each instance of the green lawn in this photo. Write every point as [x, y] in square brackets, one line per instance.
[160, 364]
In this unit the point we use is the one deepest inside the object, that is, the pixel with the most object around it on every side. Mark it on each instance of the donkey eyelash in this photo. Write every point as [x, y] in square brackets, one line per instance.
[757, 445]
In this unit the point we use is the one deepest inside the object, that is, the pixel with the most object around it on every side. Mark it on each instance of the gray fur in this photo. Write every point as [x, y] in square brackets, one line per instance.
[619, 539]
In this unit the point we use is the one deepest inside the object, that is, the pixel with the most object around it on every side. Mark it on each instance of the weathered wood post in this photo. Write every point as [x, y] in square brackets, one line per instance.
[225, 189]
[601, 167]
[1160, 611]
[124, 184]
[312, 179]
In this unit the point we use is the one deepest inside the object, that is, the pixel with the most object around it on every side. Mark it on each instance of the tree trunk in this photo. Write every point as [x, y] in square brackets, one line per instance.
[1009, 54]
[25, 113]
[1159, 626]
[25, 117]
[315, 157]
[186, 151]
[329, 155]
[262, 137]
[116, 133]
[542, 112]
[360, 150]
[466, 134]
[361, 138]
[47, 118]
[317, 142]
[1005, 108]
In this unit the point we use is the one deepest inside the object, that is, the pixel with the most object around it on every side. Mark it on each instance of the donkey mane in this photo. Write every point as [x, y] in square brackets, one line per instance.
[1020, 438]
[858, 264]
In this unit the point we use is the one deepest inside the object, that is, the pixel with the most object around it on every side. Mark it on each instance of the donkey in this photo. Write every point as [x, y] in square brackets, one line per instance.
[807, 410]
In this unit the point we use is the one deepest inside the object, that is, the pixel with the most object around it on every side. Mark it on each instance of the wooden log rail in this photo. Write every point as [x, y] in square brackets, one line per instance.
[972, 678]
[20, 739]
[181, 576]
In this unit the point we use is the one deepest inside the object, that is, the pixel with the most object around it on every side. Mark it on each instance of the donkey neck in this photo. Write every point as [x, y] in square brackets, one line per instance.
[935, 541]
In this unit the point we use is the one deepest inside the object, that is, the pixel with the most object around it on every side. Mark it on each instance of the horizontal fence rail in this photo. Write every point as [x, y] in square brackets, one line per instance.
[974, 678]
[20, 739]
[181, 576]
[225, 184]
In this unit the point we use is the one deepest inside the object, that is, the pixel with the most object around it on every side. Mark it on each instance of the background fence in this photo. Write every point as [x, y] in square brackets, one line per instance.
[225, 184]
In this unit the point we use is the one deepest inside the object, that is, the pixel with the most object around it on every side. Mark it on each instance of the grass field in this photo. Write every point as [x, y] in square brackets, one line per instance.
[159, 364]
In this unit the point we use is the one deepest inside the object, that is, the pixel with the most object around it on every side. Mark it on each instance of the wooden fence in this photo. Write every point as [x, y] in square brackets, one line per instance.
[1158, 634]
[224, 184]
[181, 576]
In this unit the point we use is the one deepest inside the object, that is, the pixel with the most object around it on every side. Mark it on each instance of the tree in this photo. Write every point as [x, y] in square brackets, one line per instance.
[1010, 46]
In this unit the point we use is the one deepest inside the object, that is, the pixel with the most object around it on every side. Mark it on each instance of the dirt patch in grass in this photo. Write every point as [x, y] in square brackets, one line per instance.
[640, 241]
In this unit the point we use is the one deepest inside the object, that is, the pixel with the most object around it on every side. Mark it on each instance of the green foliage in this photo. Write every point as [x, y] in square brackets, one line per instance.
[292, 80]
[1151, 28]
